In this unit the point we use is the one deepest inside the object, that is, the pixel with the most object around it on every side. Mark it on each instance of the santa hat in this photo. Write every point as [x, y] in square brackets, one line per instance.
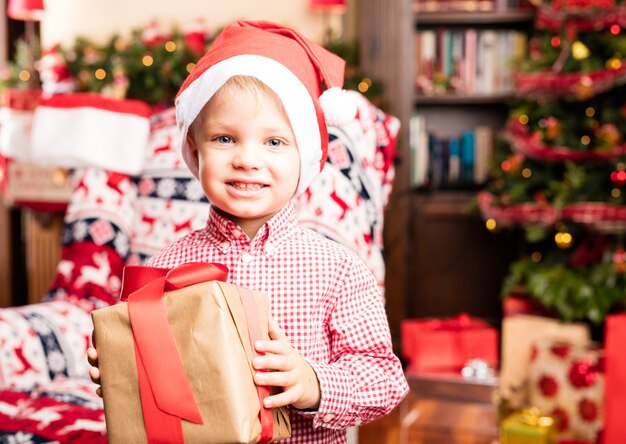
[295, 68]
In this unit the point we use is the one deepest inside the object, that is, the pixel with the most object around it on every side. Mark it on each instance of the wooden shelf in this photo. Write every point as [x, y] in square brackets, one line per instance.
[445, 203]
[421, 99]
[453, 387]
[477, 18]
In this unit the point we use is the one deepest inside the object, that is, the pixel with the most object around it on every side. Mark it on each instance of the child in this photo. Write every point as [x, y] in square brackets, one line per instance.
[254, 134]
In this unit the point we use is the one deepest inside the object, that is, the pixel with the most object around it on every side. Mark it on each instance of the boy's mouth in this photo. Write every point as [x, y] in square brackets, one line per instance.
[247, 186]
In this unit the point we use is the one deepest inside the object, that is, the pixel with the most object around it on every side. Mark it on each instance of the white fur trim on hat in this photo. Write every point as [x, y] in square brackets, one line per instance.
[293, 94]
[339, 110]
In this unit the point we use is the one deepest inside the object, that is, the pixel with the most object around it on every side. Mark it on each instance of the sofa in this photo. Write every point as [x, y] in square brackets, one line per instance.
[115, 219]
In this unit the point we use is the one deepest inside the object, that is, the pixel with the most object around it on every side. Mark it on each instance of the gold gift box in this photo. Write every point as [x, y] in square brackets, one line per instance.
[211, 335]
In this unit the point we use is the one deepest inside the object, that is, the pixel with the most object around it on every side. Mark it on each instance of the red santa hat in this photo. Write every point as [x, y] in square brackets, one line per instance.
[306, 77]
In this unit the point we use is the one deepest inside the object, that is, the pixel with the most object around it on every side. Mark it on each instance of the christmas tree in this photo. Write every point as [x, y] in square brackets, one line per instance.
[560, 169]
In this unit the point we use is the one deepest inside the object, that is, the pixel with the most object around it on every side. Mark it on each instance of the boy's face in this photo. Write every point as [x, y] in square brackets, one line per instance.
[248, 160]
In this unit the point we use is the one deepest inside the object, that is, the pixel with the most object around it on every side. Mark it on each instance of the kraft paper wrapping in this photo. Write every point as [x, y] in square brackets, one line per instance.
[209, 326]
[519, 333]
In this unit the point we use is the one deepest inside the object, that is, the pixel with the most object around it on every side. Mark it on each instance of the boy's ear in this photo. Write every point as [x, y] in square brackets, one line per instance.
[193, 150]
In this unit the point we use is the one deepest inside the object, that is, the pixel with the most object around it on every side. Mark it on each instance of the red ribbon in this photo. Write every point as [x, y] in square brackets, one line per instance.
[462, 321]
[155, 347]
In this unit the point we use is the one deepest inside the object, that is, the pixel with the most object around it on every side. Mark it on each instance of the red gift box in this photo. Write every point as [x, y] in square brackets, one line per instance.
[446, 345]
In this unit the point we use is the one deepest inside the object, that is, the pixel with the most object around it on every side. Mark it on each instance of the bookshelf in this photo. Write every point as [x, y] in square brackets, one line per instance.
[440, 259]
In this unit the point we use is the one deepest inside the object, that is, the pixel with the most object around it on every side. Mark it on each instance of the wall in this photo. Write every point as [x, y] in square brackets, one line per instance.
[99, 19]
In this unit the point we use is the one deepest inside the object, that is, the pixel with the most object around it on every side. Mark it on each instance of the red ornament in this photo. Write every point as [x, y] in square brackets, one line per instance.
[548, 386]
[582, 373]
[588, 410]
[618, 177]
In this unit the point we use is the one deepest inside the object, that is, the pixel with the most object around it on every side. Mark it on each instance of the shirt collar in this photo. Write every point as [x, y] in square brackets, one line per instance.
[223, 232]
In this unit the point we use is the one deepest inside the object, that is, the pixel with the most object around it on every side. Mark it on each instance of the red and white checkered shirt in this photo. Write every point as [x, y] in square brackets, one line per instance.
[327, 302]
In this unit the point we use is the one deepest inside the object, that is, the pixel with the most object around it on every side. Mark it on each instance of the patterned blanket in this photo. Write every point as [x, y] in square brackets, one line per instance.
[115, 219]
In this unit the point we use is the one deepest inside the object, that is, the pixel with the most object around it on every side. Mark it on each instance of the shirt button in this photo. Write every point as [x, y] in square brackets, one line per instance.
[246, 258]
[225, 245]
[328, 417]
[358, 422]
[236, 233]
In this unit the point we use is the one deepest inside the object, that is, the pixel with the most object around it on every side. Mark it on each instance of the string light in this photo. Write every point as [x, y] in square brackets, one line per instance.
[170, 46]
[526, 173]
[24, 76]
[491, 224]
[190, 67]
[579, 50]
[364, 85]
[590, 111]
[585, 140]
[555, 41]
[615, 193]
[535, 256]
[100, 74]
[613, 63]
[147, 60]
[563, 239]
[523, 119]
[615, 29]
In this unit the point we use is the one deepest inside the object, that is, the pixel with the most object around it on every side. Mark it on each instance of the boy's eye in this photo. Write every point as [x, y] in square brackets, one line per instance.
[275, 143]
[223, 139]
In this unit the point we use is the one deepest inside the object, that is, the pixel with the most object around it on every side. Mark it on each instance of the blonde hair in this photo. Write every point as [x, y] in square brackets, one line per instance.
[235, 86]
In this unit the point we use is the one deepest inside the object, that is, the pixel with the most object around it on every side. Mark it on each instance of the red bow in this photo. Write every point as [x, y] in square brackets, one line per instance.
[462, 321]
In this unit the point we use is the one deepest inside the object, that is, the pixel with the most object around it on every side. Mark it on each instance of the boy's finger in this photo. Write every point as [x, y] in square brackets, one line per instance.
[99, 391]
[276, 332]
[94, 374]
[92, 356]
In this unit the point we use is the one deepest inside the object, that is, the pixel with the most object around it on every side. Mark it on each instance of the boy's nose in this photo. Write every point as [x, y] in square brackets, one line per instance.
[246, 156]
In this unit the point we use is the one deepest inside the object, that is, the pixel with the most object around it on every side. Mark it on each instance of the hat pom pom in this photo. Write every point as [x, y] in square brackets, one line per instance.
[339, 109]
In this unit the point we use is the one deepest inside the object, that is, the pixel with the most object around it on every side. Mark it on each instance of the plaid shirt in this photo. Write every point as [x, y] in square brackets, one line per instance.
[328, 304]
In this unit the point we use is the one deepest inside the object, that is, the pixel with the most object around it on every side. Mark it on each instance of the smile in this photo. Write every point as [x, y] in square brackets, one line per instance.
[246, 186]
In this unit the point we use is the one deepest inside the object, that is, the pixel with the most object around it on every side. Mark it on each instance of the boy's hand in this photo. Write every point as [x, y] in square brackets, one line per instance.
[287, 369]
[94, 371]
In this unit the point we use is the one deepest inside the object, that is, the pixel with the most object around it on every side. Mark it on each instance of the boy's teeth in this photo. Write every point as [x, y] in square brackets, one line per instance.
[247, 186]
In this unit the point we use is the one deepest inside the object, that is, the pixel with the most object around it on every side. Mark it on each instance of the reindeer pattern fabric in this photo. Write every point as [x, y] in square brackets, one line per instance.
[115, 219]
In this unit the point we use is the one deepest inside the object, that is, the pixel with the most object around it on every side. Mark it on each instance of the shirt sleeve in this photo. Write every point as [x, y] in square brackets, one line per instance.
[363, 380]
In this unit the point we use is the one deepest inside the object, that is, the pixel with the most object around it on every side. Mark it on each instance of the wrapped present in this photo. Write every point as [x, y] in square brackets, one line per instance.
[615, 390]
[528, 426]
[175, 360]
[567, 382]
[446, 345]
[519, 332]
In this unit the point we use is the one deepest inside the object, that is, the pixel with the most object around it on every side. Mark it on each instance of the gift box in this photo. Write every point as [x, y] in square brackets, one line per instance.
[567, 382]
[519, 332]
[175, 359]
[615, 383]
[446, 345]
[528, 426]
